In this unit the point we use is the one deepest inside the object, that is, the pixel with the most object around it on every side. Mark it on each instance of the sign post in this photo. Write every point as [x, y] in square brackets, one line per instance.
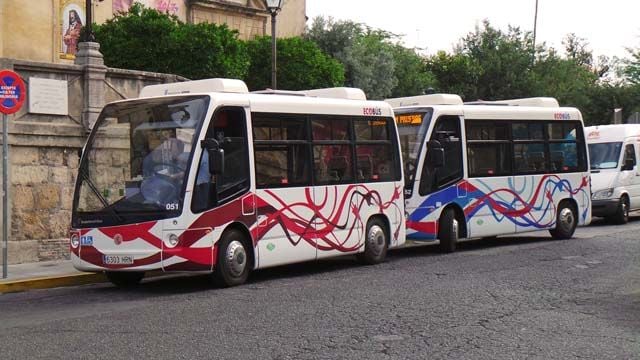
[12, 96]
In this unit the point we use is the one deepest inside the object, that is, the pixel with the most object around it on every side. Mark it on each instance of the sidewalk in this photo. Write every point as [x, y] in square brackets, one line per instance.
[44, 275]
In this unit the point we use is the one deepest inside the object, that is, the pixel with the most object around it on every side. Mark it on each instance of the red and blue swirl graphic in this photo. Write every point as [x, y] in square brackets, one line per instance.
[504, 204]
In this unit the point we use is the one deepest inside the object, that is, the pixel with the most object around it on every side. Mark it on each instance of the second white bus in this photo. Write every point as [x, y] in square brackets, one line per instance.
[491, 168]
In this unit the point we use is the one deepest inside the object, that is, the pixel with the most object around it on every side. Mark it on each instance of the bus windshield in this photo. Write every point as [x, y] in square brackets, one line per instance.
[412, 127]
[604, 155]
[137, 159]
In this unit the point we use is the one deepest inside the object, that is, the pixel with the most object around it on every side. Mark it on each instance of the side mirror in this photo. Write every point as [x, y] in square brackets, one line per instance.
[216, 161]
[215, 155]
[435, 154]
[628, 165]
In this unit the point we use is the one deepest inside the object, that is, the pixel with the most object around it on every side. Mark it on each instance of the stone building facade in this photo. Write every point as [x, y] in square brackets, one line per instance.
[44, 149]
[41, 31]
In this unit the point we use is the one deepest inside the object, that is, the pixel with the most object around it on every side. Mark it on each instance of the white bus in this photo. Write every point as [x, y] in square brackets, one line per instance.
[491, 168]
[205, 176]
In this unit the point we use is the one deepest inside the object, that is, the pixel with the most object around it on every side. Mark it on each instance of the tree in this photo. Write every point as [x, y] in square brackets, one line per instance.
[503, 61]
[413, 77]
[455, 74]
[577, 51]
[372, 59]
[145, 39]
[631, 68]
[371, 66]
[301, 65]
[570, 82]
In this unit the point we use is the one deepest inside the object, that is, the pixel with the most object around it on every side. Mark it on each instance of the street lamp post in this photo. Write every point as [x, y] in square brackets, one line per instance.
[88, 31]
[274, 7]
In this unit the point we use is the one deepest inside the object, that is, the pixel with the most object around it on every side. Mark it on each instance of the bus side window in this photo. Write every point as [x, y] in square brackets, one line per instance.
[446, 132]
[228, 129]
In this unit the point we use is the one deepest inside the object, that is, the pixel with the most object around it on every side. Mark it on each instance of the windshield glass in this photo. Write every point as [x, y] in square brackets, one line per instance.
[412, 127]
[604, 155]
[138, 158]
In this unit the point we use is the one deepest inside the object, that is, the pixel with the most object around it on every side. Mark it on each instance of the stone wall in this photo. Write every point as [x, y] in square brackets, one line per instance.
[44, 152]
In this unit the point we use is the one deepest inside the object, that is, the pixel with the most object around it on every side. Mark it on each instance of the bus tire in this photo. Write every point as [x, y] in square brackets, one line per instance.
[621, 216]
[448, 231]
[376, 242]
[233, 265]
[123, 279]
[566, 221]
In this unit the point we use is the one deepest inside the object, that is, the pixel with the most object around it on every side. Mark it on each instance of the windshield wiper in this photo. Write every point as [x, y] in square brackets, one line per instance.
[95, 190]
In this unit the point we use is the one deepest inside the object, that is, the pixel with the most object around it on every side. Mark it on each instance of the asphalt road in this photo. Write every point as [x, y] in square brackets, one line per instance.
[508, 298]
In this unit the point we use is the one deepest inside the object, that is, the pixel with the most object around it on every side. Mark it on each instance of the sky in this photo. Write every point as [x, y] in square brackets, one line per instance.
[608, 26]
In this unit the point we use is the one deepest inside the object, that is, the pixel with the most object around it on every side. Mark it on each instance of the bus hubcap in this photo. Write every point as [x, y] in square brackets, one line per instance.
[376, 239]
[566, 218]
[236, 258]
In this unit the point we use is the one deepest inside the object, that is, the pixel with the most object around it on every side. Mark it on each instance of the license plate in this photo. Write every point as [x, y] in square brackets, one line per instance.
[117, 259]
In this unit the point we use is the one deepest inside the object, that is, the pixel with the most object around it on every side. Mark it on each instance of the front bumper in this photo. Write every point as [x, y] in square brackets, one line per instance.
[603, 208]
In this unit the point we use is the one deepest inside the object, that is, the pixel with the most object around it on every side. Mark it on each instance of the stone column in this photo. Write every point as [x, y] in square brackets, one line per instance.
[95, 71]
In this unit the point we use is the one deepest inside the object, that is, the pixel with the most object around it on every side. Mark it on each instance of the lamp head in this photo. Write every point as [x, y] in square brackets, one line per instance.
[273, 5]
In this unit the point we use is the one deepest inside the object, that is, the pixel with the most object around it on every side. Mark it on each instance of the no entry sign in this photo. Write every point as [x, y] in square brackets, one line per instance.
[12, 92]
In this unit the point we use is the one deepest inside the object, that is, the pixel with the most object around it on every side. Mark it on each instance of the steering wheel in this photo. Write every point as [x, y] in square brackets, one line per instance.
[159, 190]
[175, 168]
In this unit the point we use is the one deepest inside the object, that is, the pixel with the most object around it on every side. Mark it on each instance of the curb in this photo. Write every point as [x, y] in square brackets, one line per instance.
[12, 286]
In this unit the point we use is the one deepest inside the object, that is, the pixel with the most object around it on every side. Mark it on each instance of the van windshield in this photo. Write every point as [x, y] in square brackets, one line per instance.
[604, 155]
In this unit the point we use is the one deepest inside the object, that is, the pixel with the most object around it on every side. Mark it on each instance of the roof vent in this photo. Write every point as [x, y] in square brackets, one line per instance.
[548, 102]
[195, 86]
[337, 93]
[432, 99]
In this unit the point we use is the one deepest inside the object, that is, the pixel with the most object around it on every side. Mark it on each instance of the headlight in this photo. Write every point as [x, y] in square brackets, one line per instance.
[75, 240]
[602, 194]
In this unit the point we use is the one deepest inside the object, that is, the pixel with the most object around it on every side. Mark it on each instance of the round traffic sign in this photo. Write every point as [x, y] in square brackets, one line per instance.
[12, 92]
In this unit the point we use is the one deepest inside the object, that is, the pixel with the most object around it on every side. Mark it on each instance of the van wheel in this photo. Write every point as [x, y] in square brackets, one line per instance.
[566, 222]
[622, 212]
[125, 279]
[232, 267]
[375, 246]
[449, 231]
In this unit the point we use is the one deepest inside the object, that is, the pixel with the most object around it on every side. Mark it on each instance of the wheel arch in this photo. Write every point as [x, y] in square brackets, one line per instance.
[247, 240]
[462, 220]
[386, 223]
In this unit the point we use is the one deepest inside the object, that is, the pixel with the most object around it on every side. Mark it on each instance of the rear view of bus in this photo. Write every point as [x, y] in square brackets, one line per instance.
[484, 169]
[206, 176]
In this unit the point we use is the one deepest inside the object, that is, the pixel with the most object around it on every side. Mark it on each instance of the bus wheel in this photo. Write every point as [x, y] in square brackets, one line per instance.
[449, 231]
[125, 279]
[375, 245]
[622, 212]
[232, 267]
[566, 222]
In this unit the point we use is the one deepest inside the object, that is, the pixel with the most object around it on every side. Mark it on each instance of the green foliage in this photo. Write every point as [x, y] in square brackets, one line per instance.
[372, 61]
[504, 61]
[371, 66]
[301, 65]
[455, 74]
[413, 79]
[631, 70]
[145, 39]
[565, 79]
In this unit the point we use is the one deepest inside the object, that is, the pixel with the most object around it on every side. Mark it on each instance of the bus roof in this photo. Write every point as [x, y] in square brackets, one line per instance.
[539, 108]
[339, 100]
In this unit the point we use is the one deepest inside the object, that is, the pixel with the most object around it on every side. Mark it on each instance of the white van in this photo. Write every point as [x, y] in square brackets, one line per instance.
[615, 175]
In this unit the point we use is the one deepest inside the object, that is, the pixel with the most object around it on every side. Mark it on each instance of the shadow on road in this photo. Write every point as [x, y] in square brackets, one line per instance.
[634, 217]
[190, 283]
